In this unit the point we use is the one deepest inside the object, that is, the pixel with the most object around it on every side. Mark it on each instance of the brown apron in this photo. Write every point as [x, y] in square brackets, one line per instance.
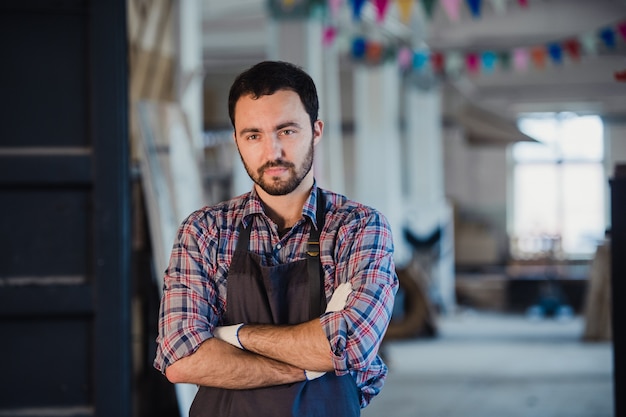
[281, 294]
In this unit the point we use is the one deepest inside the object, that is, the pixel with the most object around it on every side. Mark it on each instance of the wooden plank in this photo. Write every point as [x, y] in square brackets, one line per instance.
[41, 169]
[29, 300]
[598, 299]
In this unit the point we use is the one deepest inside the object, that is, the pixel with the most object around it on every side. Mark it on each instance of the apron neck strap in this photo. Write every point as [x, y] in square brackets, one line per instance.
[317, 302]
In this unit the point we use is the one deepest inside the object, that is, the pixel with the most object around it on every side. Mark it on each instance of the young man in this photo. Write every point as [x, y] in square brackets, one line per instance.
[244, 313]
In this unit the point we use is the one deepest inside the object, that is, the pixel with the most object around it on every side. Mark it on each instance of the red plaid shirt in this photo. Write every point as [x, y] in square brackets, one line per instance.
[356, 246]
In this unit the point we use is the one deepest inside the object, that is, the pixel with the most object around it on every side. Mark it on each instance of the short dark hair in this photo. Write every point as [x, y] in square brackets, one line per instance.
[267, 77]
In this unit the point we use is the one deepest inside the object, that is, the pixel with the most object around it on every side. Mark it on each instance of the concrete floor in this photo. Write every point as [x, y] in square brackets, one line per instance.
[490, 365]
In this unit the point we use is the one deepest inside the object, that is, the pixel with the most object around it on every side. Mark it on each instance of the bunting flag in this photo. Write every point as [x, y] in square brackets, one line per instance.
[608, 37]
[334, 6]
[358, 47]
[374, 52]
[438, 62]
[588, 41]
[471, 61]
[405, 56]
[303, 9]
[474, 6]
[454, 64]
[357, 7]
[499, 6]
[556, 53]
[572, 47]
[452, 9]
[329, 35]
[428, 6]
[504, 58]
[520, 59]
[405, 8]
[381, 9]
[420, 60]
[489, 59]
[621, 29]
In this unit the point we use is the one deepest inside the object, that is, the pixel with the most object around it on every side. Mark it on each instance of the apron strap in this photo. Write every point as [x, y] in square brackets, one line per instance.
[317, 303]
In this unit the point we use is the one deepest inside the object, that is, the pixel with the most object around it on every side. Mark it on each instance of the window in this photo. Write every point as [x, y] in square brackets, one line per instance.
[558, 187]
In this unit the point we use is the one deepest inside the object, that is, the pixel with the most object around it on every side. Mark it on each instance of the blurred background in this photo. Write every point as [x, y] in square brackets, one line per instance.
[491, 133]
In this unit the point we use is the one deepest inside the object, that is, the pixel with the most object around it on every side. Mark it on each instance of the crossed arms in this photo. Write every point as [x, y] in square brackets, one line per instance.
[273, 354]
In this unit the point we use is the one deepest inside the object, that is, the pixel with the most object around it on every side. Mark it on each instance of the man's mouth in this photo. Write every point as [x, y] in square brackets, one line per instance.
[275, 171]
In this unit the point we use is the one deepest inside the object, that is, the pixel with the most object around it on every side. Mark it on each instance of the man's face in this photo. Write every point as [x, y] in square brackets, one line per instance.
[275, 141]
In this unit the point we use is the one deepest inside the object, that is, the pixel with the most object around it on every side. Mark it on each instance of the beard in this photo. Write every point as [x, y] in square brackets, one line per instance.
[276, 186]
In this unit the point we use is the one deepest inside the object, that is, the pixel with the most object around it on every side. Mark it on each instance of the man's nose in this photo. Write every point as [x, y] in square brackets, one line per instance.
[274, 147]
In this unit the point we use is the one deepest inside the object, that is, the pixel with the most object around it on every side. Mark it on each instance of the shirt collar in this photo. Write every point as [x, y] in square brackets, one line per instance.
[254, 206]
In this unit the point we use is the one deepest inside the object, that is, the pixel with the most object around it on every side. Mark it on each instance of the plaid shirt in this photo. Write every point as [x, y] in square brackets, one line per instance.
[356, 246]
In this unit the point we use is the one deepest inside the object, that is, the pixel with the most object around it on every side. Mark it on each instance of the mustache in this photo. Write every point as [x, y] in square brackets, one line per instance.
[274, 164]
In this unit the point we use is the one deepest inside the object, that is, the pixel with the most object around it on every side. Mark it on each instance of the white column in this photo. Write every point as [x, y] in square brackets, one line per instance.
[377, 146]
[424, 145]
[189, 93]
[427, 208]
[331, 148]
[189, 65]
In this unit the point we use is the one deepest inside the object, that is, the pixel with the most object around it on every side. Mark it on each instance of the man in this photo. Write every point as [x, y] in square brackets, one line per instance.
[244, 313]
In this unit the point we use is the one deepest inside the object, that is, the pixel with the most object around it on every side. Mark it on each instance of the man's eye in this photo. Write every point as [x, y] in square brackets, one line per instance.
[253, 137]
[287, 132]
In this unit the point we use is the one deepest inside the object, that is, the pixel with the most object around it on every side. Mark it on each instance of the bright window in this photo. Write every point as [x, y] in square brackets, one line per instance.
[558, 187]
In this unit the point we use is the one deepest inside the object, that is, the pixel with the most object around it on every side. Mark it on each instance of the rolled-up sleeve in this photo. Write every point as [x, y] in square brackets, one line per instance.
[365, 254]
[187, 313]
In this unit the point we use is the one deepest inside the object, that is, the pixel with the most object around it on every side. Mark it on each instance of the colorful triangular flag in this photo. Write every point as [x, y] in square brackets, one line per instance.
[520, 59]
[608, 37]
[538, 56]
[572, 47]
[452, 9]
[489, 59]
[381, 7]
[471, 63]
[556, 53]
[499, 6]
[428, 6]
[405, 8]
[357, 8]
[474, 6]
[621, 28]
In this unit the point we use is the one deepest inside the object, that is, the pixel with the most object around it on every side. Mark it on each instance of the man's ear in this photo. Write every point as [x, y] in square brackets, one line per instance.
[318, 130]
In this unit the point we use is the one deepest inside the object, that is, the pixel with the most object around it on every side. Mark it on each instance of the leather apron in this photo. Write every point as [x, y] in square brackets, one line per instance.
[281, 294]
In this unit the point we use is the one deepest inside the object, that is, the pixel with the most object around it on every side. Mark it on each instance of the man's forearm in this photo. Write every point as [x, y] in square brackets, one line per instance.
[218, 364]
[304, 345]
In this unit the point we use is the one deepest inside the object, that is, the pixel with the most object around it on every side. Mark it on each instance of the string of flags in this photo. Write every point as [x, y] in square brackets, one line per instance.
[372, 49]
[519, 59]
[406, 8]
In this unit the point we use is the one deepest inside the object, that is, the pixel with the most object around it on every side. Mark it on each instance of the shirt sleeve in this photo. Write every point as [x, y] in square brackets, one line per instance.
[364, 254]
[188, 312]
